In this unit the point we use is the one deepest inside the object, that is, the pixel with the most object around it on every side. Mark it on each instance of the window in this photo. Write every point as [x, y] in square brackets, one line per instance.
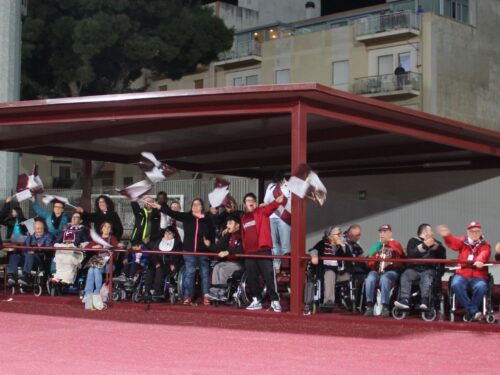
[405, 60]
[238, 81]
[385, 65]
[64, 172]
[340, 73]
[198, 83]
[252, 80]
[282, 76]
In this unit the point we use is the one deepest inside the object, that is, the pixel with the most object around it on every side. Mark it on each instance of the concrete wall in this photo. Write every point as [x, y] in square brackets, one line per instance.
[464, 66]
[10, 77]
[406, 200]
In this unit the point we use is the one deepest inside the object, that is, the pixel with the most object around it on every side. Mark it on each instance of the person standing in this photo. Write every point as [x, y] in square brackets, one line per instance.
[256, 239]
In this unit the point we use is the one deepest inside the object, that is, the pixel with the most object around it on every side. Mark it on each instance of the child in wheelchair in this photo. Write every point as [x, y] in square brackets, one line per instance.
[162, 267]
[229, 245]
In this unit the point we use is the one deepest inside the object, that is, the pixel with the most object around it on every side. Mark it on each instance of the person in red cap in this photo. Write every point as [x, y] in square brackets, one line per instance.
[473, 253]
[383, 272]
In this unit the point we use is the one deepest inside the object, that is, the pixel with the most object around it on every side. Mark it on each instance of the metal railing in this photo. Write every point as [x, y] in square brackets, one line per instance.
[387, 83]
[242, 49]
[386, 22]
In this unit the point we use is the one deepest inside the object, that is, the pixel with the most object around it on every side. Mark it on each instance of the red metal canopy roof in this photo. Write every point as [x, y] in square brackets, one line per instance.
[246, 131]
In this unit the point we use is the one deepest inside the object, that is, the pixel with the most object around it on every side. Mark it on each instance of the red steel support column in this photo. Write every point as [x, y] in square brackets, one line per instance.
[298, 235]
[86, 179]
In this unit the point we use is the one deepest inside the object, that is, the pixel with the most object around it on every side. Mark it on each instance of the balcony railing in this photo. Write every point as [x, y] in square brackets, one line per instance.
[242, 50]
[389, 85]
[389, 22]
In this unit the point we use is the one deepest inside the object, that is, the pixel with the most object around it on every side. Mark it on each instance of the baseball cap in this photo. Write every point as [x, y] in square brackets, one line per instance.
[384, 227]
[474, 224]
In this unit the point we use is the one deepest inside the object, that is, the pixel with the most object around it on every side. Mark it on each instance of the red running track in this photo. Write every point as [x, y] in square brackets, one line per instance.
[60, 338]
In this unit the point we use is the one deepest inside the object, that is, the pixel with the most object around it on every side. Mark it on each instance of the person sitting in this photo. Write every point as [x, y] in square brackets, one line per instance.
[222, 214]
[68, 262]
[473, 253]
[96, 265]
[26, 258]
[330, 270]
[227, 247]
[425, 246]
[134, 262]
[162, 265]
[383, 272]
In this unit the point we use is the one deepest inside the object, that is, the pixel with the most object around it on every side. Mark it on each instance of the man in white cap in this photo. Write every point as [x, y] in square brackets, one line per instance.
[473, 253]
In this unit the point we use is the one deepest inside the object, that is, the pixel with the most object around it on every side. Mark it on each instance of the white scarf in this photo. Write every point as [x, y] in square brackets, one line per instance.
[166, 245]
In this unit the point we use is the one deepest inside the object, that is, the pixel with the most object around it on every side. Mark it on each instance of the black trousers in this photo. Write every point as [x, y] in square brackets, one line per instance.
[256, 267]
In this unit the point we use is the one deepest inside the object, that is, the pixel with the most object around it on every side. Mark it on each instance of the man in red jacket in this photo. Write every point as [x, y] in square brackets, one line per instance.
[473, 252]
[256, 238]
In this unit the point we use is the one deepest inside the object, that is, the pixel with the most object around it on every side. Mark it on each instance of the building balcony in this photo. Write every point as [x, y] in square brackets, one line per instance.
[382, 28]
[402, 86]
[242, 54]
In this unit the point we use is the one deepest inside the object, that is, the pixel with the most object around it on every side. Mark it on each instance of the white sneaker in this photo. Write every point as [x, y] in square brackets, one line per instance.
[255, 305]
[477, 316]
[275, 305]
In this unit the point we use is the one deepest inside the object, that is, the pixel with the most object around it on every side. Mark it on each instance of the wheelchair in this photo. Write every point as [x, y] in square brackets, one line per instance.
[345, 292]
[436, 306]
[139, 293]
[233, 294]
[377, 303]
[59, 289]
[487, 303]
[37, 278]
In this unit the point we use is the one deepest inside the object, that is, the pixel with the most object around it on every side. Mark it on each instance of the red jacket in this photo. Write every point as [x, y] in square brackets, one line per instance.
[482, 254]
[263, 227]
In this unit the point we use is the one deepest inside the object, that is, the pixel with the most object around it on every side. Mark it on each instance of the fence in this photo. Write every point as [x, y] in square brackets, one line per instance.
[182, 190]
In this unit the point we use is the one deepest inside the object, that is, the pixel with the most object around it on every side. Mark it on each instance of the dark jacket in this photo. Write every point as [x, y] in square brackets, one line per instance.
[99, 217]
[147, 224]
[356, 251]
[220, 219]
[194, 229]
[4, 214]
[417, 249]
[230, 242]
[323, 248]
[165, 259]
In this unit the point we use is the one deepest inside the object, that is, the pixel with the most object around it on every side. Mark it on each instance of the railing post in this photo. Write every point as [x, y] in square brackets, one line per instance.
[298, 234]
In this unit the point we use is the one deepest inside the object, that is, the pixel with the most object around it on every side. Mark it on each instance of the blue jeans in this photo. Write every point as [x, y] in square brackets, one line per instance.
[192, 262]
[93, 283]
[386, 281]
[479, 287]
[15, 259]
[280, 232]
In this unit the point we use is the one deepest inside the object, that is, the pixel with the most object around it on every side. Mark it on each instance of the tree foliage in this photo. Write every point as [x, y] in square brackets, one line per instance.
[87, 47]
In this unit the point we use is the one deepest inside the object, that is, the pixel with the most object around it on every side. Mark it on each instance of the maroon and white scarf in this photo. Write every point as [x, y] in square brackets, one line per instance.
[284, 210]
[474, 245]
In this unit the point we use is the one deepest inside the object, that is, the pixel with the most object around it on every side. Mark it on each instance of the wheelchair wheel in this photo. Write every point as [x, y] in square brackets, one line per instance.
[180, 281]
[245, 290]
[116, 295]
[136, 297]
[429, 315]
[398, 314]
[490, 318]
[37, 290]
